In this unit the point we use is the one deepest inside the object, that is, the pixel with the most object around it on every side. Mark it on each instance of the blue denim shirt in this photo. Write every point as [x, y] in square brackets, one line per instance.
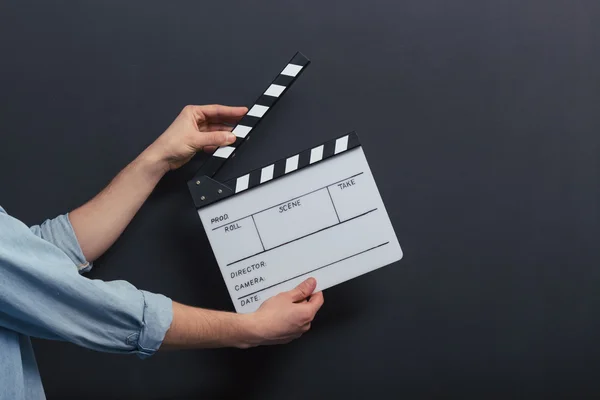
[43, 294]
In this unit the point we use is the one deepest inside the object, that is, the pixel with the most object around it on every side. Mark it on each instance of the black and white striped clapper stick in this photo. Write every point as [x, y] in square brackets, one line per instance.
[278, 169]
[294, 163]
[267, 100]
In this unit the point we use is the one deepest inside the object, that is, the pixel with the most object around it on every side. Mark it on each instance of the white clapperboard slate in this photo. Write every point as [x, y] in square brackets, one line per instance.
[316, 213]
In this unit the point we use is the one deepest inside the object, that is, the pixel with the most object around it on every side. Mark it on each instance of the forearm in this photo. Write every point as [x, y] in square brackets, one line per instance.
[194, 328]
[99, 222]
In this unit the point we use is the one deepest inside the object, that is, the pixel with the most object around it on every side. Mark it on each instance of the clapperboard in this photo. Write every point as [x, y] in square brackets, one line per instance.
[316, 213]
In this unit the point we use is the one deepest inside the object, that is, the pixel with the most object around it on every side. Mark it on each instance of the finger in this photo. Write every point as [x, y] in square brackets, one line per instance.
[303, 290]
[217, 113]
[209, 149]
[316, 301]
[218, 127]
[217, 138]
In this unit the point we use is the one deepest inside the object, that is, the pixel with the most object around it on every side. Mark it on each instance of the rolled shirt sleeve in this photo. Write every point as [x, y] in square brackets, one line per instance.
[60, 233]
[43, 295]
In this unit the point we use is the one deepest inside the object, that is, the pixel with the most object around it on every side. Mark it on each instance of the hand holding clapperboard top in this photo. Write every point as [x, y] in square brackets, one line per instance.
[316, 213]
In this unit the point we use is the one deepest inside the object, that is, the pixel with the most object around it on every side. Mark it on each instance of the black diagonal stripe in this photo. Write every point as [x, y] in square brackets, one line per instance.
[283, 80]
[353, 140]
[279, 168]
[249, 120]
[304, 158]
[300, 59]
[328, 149]
[254, 178]
[266, 100]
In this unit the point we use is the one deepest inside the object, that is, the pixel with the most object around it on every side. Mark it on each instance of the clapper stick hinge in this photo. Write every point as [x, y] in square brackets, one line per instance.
[205, 190]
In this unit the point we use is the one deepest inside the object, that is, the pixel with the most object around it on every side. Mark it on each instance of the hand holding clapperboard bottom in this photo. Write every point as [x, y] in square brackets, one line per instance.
[316, 213]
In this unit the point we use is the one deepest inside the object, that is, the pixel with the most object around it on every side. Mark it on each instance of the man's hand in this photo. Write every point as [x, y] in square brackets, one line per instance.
[279, 320]
[288, 315]
[196, 128]
[100, 221]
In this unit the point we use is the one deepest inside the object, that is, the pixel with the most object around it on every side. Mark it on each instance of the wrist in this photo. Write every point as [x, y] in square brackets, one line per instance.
[153, 165]
[249, 331]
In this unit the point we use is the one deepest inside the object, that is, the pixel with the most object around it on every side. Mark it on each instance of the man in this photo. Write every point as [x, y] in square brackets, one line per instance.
[43, 294]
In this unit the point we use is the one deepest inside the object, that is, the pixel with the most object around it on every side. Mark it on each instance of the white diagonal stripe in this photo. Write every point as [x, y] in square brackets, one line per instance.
[291, 70]
[242, 183]
[257, 110]
[291, 164]
[224, 152]
[316, 154]
[341, 144]
[274, 90]
[241, 131]
[267, 173]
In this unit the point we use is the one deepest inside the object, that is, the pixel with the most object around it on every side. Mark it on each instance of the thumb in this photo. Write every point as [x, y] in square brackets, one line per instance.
[217, 138]
[303, 290]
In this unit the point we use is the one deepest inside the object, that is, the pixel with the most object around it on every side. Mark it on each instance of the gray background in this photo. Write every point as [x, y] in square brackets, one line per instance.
[480, 120]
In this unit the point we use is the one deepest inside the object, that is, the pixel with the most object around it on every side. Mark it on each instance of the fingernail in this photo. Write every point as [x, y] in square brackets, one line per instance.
[231, 138]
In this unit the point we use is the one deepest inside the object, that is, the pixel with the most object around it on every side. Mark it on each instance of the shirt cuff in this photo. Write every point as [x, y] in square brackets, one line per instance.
[157, 318]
